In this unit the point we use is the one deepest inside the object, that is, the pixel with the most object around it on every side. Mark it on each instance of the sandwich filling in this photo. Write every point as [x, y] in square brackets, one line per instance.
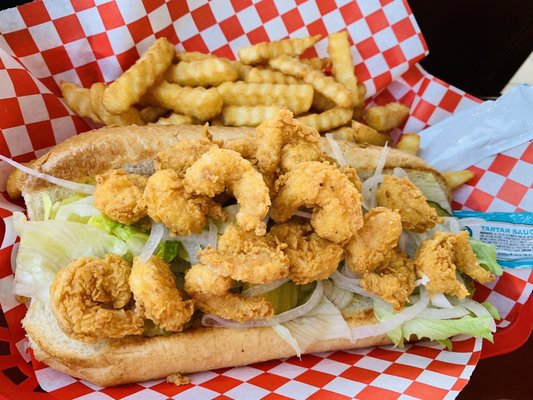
[241, 234]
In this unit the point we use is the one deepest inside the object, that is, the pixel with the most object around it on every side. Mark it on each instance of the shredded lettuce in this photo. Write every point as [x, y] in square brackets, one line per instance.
[323, 322]
[47, 246]
[486, 254]
[283, 298]
[436, 329]
[493, 311]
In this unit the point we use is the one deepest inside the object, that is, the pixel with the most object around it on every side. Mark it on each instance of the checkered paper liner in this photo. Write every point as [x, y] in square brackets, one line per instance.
[84, 41]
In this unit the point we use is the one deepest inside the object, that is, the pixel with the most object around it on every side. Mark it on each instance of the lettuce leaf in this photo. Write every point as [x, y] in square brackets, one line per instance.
[486, 255]
[47, 246]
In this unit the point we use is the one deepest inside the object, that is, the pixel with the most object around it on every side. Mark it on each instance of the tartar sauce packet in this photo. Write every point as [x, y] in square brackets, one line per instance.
[510, 232]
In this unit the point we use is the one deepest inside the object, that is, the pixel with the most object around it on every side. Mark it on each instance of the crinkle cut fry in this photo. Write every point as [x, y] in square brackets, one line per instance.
[261, 52]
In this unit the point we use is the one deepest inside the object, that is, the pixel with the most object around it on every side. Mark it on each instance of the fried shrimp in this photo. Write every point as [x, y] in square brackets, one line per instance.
[211, 294]
[287, 141]
[311, 257]
[467, 262]
[373, 244]
[154, 289]
[435, 259]
[221, 169]
[119, 195]
[181, 212]
[246, 257]
[393, 281]
[401, 194]
[88, 298]
[335, 202]
[183, 154]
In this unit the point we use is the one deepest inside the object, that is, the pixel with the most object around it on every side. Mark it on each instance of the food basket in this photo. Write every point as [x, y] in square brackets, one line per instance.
[85, 41]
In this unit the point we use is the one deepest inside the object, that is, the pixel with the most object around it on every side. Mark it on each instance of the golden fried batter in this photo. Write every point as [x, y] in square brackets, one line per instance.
[221, 169]
[286, 140]
[246, 257]
[351, 173]
[311, 257]
[336, 203]
[88, 299]
[182, 155]
[154, 289]
[467, 262]
[373, 244]
[181, 212]
[211, 295]
[401, 194]
[435, 259]
[393, 281]
[119, 195]
[245, 147]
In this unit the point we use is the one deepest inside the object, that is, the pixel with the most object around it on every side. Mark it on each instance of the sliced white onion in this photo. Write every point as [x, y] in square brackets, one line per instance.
[351, 284]
[217, 321]
[402, 242]
[440, 300]
[399, 172]
[213, 234]
[74, 186]
[422, 281]
[407, 314]
[444, 313]
[369, 189]
[265, 288]
[381, 160]
[452, 224]
[156, 234]
[303, 214]
[479, 311]
[192, 244]
[337, 152]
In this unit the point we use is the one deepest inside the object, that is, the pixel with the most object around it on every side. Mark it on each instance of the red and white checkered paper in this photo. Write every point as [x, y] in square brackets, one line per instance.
[84, 41]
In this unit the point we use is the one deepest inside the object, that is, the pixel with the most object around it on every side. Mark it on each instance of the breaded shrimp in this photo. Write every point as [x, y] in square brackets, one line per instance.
[119, 195]
[285, 139]
[211, 294]
[467, 262]
[311, 257]
[435, 259]
[246, 257]
[393, 281]
[351, 173]
[181, 212]
[245, 147]
[154, 289]
[183, 154]
[373, 244]
[88, 298]
[336, 203]
[221, 169]
[401, 194]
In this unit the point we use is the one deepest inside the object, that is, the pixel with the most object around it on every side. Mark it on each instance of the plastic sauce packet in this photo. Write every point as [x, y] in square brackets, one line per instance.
[511, 233]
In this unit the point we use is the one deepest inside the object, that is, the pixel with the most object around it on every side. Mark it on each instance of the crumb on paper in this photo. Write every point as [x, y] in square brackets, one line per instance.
[22, 299]
[178, 379]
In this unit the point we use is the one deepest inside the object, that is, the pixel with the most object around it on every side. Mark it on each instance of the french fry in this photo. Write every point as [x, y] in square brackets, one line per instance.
[207, 72]
[197, 102]
[192, 55]
[359, 110]
[152, 113]
[128, 88]
[341, 60]
[295, 97]
[261, 52]
[325, 85]
[175, 119]
[129, 117]
[217, 121]
[365, 134]
[454, 179]
[346, 133]
[387, 117]
[316, 62]
[327, 120]
[257, 75]
[409, 142]
[248, 115]
[79, 100]
[241, 69]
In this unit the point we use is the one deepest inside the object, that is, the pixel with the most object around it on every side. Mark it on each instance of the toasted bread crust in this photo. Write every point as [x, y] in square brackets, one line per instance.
[134, 359]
